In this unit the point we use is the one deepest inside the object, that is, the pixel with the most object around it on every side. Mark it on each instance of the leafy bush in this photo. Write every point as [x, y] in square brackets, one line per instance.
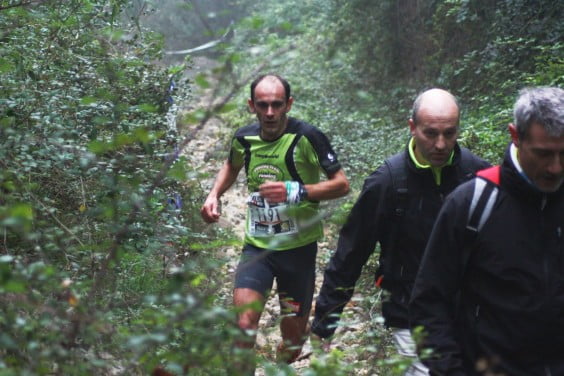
[91, 182]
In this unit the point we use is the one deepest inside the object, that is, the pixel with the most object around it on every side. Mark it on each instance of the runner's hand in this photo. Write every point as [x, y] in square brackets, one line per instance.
[273, 191]
[210, 210]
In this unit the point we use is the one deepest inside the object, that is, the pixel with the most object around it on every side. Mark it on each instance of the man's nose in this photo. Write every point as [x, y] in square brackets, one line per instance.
[556, 166]
[270, 110]
[440, 144]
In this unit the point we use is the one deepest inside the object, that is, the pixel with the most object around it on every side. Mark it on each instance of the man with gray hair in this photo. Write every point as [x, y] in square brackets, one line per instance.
[490, 291]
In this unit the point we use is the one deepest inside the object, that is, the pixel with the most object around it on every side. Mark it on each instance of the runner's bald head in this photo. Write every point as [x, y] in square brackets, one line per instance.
[270, 76]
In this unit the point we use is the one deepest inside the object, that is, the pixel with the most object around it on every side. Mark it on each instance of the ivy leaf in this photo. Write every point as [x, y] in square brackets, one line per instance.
[147, 107]
[98, 147]
[6, 66]
[201, 81]
[178, 170]
[88, 100]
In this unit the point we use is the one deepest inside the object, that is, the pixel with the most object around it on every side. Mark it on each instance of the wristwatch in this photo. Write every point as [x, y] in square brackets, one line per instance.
[302, 193]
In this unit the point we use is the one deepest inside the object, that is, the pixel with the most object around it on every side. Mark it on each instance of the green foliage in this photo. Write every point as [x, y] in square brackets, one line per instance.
[329, 365]
[88, 283]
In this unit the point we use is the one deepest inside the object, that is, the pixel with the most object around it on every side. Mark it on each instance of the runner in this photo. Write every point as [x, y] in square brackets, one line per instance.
[283, 159]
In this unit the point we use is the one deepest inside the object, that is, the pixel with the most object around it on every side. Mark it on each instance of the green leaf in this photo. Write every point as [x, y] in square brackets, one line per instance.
[7, 122]
[178, 170]
[256, 22]
[175, 69]
[147, 107]
[195, 117]
[14, 286]
[286, 26]
[201, 81]
[9, 185]
[198, 279]
[99, 147]
[23, 211]
[88, 100]
[228, 107]
[122, 139]
[143, 135]
[6, 66]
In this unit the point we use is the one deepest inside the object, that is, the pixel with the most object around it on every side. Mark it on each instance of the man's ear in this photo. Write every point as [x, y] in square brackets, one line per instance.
[411, 126]
[289, 104]
[514, 134]
[251, 105]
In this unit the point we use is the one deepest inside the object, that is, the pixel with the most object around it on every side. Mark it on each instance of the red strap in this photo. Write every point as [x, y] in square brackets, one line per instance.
[492, 174]
[378, 282]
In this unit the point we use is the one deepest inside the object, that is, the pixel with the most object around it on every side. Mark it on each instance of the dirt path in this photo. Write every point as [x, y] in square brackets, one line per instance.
[203, 153]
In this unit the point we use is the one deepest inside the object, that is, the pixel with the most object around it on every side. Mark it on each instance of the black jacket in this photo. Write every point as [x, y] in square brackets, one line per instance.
[495, 299]
[372, 220]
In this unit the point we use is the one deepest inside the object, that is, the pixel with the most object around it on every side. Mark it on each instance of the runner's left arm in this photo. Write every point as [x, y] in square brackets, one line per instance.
[336, 185]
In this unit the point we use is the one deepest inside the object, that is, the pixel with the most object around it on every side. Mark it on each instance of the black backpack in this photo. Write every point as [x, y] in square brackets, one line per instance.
[397, 168]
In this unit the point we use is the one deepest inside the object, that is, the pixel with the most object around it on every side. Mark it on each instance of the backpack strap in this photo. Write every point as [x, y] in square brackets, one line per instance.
[398, 175]
[396, 166]
[486, 188]
[468, 165]
[466, 162]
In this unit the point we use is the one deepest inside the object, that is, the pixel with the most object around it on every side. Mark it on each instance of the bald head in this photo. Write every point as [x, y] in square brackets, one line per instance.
[436, 101]
[434, 127]
[271, 77]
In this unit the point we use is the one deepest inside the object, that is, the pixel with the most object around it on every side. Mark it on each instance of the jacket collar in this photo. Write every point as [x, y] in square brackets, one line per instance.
[437, 173]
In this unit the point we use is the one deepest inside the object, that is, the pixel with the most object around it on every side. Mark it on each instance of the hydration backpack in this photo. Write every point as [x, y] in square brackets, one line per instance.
[483, 198]
[397, 168]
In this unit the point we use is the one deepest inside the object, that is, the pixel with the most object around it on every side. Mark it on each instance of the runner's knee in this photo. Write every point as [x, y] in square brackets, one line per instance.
[248, 321]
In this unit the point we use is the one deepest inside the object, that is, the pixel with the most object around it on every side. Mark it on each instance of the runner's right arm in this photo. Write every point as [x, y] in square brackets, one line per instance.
[225, 178]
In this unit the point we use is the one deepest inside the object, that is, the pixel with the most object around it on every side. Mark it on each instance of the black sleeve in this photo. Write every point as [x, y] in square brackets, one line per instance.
[439, 279]
[325, 153]
[357, 240]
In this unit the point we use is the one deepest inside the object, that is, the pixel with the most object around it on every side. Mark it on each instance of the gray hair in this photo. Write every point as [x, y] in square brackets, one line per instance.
[542, 105]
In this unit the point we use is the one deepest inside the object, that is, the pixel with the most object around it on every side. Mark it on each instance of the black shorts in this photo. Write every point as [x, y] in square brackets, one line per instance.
[294, 270]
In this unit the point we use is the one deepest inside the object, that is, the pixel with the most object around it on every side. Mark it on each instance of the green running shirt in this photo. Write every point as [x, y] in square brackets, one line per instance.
[299, 154]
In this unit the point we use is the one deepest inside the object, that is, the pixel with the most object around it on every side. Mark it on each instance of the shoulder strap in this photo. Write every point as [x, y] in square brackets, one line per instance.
[483, 199]
[398, 174]
[468, 164]
[396, 166]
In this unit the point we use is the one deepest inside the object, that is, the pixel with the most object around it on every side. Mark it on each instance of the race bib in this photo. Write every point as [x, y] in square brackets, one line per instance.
[269, 219]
